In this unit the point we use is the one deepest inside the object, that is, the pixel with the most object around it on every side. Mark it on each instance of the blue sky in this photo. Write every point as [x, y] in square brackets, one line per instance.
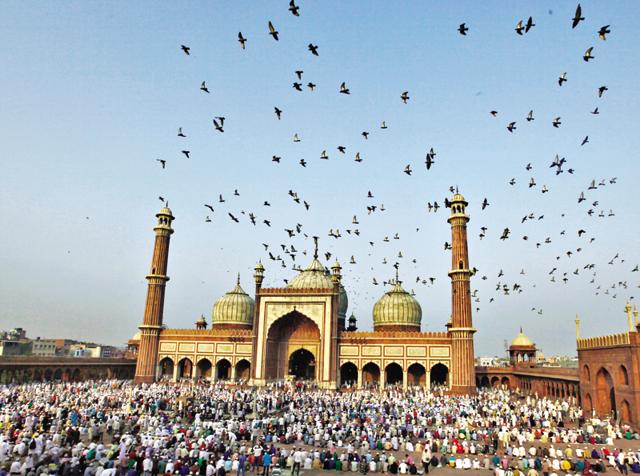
[94, 92]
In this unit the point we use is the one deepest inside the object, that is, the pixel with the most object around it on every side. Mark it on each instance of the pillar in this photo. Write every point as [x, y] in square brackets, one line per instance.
[383, 377]
[405, 379]
[462, 373]
[360, 377]
[233, 373]
[175, 372]
[153, 311]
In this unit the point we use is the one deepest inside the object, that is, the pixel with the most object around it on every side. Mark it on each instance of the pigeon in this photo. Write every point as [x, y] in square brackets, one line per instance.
[519, 28]
[233, 217]
[180, 133]
[556, 122]
[242, 40]
[530, 116]
[344, 89]
[485, 203]
[210, 207]
[529, 25]
[585, 140]
[162, 162]
[405, 97]
[275, 158]
[562, 78]
[601, 90]
[186, 153]
[278, 112]
[383, 125]
[511, 127]
[462, 29]
[587, 54]
[314, 49]
[297, 86]
[365, 134]
[218, 125]
[273, 32]
[595, 111]
[602, 32]
[296, 138]
[407, 170]
[493, 113]
[294, 9]
[577, 18]
[187, 50]
[203, 87]
[311, 86]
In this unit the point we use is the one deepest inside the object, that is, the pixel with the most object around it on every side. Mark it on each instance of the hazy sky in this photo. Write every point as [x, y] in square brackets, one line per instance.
[94, 92]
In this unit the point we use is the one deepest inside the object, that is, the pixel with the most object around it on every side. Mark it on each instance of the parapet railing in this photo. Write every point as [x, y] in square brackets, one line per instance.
[611, 340]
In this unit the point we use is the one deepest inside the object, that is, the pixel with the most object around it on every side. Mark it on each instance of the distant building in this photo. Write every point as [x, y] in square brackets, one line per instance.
[43, 347]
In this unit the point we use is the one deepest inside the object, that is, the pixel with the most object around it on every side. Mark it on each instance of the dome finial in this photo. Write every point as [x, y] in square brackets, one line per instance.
[238, 280]
[315, 247]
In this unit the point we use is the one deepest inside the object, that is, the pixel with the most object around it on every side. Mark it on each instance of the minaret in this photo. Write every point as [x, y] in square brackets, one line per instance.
[157, 280]
[463, 379]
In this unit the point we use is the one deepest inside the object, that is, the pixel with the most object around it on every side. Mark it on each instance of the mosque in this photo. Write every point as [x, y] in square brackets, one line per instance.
[301, 331]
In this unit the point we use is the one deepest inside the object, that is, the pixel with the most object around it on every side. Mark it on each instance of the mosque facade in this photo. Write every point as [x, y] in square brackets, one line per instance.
[301, 331]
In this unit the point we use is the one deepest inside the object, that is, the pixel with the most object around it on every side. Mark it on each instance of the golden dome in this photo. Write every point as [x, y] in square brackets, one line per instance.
[522, 340]
[458, 198]
[397, 308]
[315, 276]
[235, 307]
[136, 336]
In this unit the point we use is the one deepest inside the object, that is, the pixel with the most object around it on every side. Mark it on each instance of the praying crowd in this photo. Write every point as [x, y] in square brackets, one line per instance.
[116, 428]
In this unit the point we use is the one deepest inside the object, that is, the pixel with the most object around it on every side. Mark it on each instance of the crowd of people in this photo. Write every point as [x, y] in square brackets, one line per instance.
[116, 428]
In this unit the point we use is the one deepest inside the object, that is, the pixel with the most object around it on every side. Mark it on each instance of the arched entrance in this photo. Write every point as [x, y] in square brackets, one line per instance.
[393, 374]
[605, 393]
[243, 370]
[286, 336]
[484, 381]
[587, 404]
[76, 376]
[370, 375]
[223, 370]
[185, 367]
[625, 412]
[166, 368]
[348, 374]
[439, 375]
[505, 382]
[57, 375]
[302, 365]
[417, 375]
[204, 369]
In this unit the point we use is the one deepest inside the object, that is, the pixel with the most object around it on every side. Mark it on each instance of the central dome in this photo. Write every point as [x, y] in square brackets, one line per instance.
[234, 309]
[397, 310]
[314, 276]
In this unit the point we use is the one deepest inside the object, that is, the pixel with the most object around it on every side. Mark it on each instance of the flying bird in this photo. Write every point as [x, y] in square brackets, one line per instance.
[187, 50]
[294, 9]
[529, 25]
[344, 89]
[530, 116]
[242, 40]
[587, 54]
[462, 29]
[511, 127]
[519, 28]
[405, 97]
[556, 122]
[162, 162]
[180, 133]
[203, 87]
[603, 32]
[209, 207]
[272, 31]
[601, 90]
[577, 18]
[314, 49]
[562, 78]
[218, 125]
[278, 112]
[186, 153]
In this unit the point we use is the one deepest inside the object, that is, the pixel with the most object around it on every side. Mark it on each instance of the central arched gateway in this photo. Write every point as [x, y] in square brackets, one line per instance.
[293, 342]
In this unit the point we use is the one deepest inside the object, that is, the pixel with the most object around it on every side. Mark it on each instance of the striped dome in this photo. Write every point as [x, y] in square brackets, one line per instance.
[314, 276]
[235, 307]
[397, 309]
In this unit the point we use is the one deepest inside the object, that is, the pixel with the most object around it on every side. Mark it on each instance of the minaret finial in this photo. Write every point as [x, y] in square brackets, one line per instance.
[238, 280]
[520, 329]
[315, 247]
[456, 189]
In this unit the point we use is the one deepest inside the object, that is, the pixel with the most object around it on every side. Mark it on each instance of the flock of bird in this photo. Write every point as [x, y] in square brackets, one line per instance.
[287, 254]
